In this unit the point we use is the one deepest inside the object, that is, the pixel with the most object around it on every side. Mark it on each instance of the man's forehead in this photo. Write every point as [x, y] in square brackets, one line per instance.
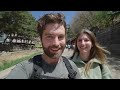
[53, 33]
[60, 30]
[53, 26]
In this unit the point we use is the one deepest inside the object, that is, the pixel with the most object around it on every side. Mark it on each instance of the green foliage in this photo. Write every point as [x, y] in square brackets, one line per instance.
[102, 19]
[38, 45]
[81, 20]
[21, 23]
[89, 19]
[70, 33]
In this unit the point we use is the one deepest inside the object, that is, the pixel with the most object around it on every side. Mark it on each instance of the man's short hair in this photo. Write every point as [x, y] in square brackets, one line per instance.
[50, 18]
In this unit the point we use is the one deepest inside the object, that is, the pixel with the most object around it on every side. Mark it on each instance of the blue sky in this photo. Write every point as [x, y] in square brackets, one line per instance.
[68, 14]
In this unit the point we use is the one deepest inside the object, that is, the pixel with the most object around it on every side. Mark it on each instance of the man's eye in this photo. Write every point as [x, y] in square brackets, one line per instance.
[49, 37]
[61, 37]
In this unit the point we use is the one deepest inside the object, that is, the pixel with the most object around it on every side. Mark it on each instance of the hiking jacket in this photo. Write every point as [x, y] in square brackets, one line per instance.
[97, 70]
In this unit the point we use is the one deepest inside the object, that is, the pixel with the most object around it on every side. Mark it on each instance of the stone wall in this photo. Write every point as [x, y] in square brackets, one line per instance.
[110, 38]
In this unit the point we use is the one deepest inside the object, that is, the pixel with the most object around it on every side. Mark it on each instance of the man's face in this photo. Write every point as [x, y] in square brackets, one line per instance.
[54, 40]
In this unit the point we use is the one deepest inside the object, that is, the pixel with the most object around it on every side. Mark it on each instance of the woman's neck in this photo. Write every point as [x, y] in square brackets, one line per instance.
[84, 56]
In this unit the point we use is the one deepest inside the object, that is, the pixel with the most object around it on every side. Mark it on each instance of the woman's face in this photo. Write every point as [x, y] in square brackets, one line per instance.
[84, 43]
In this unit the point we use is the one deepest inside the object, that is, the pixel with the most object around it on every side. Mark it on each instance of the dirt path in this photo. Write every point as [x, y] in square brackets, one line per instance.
[67, 53]
[114, 64]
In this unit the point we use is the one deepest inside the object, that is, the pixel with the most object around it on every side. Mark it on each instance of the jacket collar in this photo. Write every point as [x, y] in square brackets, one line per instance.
[77, 58]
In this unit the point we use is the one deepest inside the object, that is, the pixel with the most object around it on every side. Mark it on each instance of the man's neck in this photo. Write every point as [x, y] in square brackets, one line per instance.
[50, 60]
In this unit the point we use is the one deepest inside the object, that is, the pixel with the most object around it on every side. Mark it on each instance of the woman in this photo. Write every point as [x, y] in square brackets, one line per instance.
[90, 57]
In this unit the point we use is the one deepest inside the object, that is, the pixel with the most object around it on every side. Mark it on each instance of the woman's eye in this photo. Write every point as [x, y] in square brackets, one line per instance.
[86, 40]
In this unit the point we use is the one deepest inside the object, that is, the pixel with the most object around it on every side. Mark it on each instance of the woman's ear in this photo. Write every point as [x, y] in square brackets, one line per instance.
[92, 45]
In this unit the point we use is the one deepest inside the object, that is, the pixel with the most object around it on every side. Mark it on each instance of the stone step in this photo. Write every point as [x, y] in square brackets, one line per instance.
[116, 28]
[115, 41]
[115, 52]
[116, 32]
[115, 46]
[115, 35]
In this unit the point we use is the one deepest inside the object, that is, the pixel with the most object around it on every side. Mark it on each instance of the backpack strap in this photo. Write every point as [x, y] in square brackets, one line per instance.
[72, 72]
[101, 67]
[37, 60]
[37, 69]
[37, 63]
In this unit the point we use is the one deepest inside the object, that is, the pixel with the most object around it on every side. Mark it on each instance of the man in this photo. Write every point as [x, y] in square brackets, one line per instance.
[49, 65]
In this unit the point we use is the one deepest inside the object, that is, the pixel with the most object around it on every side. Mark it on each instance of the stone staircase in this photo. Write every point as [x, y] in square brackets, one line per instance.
[115, 49]
[111, 39]
[115, 41]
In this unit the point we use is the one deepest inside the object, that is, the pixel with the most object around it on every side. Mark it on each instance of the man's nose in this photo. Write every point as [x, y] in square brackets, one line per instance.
[56, 41]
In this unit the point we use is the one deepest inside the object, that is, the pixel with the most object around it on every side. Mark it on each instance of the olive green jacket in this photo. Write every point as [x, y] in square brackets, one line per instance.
[97, 70]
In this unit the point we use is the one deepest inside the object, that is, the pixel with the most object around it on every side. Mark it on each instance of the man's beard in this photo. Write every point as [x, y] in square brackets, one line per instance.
[53, 55]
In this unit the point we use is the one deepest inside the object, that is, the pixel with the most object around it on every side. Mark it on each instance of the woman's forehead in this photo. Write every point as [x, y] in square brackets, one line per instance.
[84, 35]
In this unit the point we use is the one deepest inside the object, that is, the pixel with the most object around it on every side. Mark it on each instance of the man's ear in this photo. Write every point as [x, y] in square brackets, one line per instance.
[40, 38]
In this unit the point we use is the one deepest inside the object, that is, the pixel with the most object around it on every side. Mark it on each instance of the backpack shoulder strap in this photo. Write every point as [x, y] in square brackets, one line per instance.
[37, 60]
[101, 67]
[37, 63]
[72, 72]
[37, 66]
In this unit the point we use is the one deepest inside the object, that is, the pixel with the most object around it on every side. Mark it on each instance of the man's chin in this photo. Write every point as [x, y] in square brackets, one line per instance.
[56, 56]
[55, 51]
[52, 54]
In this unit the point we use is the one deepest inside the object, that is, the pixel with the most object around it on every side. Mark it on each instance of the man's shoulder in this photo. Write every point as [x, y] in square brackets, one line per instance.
[29, 61]
[25, 64]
